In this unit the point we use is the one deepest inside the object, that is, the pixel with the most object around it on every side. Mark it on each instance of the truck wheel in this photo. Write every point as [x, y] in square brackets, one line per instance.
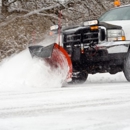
[79, 77]
[126, 67]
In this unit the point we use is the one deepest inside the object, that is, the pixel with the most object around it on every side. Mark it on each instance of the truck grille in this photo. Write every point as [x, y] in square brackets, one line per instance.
[85, 36]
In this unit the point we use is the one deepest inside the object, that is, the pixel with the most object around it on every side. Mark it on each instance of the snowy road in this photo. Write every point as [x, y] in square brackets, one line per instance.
[91, 106]
[31, 98]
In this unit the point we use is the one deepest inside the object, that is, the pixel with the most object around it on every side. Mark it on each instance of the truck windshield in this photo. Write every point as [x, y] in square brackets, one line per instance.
[122, 13]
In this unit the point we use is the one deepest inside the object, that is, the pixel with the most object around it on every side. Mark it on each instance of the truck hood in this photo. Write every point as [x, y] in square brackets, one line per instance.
[125, 24]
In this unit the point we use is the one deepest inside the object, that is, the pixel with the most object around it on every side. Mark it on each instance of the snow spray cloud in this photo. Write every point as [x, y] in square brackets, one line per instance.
[22, 71]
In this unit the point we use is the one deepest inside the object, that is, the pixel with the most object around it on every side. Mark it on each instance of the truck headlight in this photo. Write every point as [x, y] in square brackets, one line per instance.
[116, 35]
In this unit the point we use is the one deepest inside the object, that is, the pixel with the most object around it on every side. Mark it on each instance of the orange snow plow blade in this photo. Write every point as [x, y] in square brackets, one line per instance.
[55, 56]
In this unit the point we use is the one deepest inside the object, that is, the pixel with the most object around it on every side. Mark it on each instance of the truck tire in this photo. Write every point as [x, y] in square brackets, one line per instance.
[79, 78]
[126, 67]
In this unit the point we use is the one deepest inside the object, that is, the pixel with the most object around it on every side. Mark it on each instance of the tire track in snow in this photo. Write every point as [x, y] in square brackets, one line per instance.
[68, 88]
[44, 109]
[37, 103]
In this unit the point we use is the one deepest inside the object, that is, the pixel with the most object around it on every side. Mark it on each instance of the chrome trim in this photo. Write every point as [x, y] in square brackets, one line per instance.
[116, 43]
[115, 47]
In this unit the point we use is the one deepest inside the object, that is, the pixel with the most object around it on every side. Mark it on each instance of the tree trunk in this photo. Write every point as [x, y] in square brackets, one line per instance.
[4, 9]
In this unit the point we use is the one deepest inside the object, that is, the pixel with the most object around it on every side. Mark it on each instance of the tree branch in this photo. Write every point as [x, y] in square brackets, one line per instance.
[9, 3]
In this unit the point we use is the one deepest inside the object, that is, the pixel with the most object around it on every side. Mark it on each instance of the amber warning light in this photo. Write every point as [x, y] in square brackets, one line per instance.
[117, 3]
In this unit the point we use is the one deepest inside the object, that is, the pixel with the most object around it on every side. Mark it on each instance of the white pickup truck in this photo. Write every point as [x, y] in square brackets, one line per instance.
[100, 46]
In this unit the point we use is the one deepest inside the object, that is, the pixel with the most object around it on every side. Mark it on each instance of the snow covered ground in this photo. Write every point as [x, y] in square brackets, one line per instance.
[33, 98]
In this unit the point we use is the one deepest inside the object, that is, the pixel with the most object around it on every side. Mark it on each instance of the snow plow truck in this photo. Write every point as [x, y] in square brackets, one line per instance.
[95, 46]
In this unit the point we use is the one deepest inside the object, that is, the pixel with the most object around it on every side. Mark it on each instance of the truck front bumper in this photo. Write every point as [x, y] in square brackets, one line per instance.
[115, 47]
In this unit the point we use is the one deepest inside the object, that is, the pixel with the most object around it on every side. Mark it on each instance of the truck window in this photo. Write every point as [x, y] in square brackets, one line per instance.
[121, 13]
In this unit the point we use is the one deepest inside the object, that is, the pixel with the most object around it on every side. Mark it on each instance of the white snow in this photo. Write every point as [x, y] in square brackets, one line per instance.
[22, 70]
[32, 98]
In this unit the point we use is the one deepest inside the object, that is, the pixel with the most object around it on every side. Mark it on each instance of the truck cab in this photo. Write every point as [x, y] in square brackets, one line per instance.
[119, 16]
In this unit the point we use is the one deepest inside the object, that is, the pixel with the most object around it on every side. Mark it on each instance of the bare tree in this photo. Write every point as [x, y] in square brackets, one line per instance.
[22, 18]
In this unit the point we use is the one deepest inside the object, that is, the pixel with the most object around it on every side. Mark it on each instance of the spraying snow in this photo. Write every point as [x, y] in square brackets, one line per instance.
[22, 70]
